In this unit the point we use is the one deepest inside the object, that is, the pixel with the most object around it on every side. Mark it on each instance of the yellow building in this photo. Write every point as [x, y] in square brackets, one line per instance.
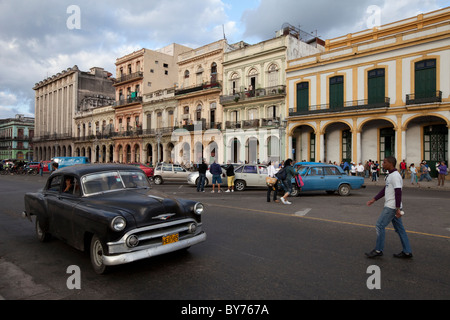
[374, 93]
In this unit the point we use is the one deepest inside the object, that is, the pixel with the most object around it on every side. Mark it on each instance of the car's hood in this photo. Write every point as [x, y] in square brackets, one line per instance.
[145, 206]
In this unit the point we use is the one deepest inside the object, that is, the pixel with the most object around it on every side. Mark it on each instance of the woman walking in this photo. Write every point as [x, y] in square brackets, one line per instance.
[286, 182]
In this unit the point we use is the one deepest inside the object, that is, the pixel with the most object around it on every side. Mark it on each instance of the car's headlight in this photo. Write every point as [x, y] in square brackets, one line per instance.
[118, 223]
[198, 208]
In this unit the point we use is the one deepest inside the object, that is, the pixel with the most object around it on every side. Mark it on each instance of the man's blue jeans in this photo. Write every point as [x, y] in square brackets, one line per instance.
[388, 215]
[201, 182]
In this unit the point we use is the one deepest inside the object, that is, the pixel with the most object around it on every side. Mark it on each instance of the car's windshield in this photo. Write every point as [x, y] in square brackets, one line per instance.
[113, 180]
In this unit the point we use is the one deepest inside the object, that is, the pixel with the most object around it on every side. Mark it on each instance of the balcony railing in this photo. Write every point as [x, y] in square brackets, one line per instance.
[201, 87]
[354, 105]
[129, 77]
[253, 94]
[125, 102]
[431, 97]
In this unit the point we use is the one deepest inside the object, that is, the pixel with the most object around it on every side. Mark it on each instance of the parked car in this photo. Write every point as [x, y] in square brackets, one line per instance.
[149, 171]
[35, 165]
[169, 172]
[111, 211]
[326, 177]
[250, 175]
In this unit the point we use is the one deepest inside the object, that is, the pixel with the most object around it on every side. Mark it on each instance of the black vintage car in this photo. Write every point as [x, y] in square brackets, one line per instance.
[111, 211]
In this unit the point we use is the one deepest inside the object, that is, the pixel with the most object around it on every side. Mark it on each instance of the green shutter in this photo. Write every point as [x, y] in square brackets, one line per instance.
[302, 96]
[376, 86]
[336, 92]
[425, 79]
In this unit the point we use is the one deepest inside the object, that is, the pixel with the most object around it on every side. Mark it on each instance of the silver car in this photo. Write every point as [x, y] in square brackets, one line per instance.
[169, 172]
[250, 175]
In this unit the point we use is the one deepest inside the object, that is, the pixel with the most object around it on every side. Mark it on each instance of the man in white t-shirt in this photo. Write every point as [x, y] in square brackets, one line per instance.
[392, 212]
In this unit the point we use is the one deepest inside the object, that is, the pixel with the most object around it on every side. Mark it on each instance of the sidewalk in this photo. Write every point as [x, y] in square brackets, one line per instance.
[430, 185]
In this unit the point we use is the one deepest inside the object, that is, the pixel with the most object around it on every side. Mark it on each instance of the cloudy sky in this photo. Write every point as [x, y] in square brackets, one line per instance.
[41, 38]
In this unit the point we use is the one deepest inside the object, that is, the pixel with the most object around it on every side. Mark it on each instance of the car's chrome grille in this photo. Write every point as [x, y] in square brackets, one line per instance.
[152, 235]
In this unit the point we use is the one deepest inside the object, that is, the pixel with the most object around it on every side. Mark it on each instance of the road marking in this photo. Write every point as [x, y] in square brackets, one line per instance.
[324, 220]
[302, 213]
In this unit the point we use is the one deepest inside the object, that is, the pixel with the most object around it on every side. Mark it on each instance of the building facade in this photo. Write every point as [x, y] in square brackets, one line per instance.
[254, 95]
[374, 93]
[58, 99]
[138, 74]
[199, 117]
[16, 136]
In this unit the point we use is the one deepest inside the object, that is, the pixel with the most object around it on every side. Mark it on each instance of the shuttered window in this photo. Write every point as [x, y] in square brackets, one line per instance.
[336, 92]
[425, 79]
[303, 96]
[376, 86]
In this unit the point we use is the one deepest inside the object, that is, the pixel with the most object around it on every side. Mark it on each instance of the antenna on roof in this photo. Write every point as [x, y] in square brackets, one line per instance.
[223, 28]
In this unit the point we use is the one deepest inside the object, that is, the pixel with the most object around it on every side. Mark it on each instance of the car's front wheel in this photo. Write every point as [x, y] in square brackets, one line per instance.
[158, 180]
[344, 190]
[97, 251]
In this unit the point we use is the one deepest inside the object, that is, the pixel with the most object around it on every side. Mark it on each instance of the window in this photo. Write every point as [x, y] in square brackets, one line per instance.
[336, 92]
[165, 65]
[250, 169]
[376, 86]
[425, 79]
[302, 96]
[55, 184]
[332, 171]
[387, 142]
[312, 147]
[186, 74]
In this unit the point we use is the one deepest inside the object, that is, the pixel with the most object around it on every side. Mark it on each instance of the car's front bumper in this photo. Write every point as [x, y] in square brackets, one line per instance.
[153, 251]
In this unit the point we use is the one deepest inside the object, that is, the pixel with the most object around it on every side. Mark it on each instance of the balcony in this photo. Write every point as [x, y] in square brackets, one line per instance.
[253, 94]
[431, 97]
[197, 88]
[127, 102]
[129, 78]
[356, 105]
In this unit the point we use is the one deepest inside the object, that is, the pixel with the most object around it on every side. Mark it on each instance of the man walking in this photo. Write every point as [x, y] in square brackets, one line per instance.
[391, 211]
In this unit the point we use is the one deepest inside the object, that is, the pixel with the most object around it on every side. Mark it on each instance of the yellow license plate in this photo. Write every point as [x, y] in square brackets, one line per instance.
[170, 239]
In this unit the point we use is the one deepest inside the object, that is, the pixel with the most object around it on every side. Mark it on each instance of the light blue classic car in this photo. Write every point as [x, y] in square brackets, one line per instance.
[326, 177]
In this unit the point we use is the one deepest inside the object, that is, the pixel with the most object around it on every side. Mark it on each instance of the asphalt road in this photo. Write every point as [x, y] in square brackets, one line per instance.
[310, 250]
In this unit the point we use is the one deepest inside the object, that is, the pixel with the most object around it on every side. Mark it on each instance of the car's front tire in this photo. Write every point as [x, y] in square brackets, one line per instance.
[158, 180]
[97, 251]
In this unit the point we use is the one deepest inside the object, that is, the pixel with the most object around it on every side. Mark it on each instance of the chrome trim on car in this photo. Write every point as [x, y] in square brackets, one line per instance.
[153, 251]
[151, 236]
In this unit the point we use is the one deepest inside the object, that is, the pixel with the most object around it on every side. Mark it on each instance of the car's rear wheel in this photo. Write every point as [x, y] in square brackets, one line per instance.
[295, 191]
[239, 185]
[344, 190]
[41, 234]
[158, 180]
[97, 251]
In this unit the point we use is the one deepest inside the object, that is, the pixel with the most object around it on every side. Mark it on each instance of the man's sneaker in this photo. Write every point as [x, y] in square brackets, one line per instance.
[282, 200]
[374, 253]
[218, 191]
[403, 255]
[212, 191]
[228, 190]
[232, 190]
[288, 202]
